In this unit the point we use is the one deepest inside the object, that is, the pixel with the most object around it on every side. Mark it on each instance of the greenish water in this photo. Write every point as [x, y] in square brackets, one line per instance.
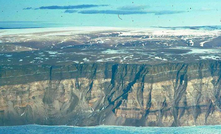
[37, 129]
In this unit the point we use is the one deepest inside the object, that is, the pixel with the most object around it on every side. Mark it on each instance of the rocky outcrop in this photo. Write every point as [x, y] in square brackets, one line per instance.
[111, 94]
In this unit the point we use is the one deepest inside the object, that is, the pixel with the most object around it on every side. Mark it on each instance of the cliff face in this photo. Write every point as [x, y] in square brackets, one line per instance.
[111, 94]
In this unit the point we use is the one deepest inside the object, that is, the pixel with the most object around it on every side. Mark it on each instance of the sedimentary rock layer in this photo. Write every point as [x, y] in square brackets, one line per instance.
[181, 94]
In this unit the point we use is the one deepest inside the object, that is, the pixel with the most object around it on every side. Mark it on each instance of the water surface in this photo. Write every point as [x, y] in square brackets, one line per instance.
[38, 129]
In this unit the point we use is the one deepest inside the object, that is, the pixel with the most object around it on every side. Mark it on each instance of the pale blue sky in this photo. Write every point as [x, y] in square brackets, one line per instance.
[114, 13]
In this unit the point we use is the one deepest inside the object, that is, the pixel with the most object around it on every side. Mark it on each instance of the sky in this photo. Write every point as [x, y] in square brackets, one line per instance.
[110, 13]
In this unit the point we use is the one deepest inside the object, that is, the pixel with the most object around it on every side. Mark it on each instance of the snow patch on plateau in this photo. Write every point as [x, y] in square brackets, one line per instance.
[210, 57]
[203, 51]
[86, 60]
[112, 51]
[52, 52]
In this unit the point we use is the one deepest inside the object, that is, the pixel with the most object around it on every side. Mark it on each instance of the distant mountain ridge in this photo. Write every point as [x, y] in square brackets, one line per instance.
[195, 27]
[19, 27]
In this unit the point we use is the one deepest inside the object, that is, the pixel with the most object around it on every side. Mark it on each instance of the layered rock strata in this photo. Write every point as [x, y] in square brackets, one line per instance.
[181, 94]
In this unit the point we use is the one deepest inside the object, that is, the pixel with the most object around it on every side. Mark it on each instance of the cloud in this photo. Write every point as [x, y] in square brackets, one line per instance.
[141, 7]
[27, 8]
[122, 12]
[55, 7]
[70, 11]
[125, 10]
[168, 12]
[129, 12]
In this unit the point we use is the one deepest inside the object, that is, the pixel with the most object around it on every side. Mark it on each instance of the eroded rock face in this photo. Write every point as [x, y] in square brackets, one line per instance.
[111, 94]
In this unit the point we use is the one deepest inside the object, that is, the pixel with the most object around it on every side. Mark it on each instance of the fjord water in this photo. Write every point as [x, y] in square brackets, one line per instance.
[38, 129]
